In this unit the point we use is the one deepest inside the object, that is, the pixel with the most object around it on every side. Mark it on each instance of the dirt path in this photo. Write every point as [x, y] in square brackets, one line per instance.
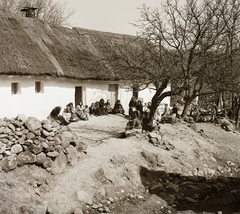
[130, 175]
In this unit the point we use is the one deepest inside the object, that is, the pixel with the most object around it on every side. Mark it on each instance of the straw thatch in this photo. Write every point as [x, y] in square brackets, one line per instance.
[32, 47]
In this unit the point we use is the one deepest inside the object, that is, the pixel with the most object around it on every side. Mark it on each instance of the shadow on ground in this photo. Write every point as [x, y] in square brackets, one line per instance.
[194, 193]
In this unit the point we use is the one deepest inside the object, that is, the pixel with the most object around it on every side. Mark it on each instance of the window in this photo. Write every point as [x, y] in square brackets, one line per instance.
[39, 87]
[113, 87]
[15, 88]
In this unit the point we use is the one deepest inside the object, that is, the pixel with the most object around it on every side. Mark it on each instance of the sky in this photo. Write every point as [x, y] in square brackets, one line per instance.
[113, 16]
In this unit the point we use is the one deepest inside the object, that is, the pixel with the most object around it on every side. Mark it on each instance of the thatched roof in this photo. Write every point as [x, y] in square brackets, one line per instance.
[32, 47]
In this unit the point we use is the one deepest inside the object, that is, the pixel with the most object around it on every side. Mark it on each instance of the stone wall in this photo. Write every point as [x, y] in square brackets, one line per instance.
[44, 143]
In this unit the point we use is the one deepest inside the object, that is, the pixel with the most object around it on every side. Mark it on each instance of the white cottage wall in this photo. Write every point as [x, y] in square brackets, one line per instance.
[147, 94]
[97, 90]
[56, 92]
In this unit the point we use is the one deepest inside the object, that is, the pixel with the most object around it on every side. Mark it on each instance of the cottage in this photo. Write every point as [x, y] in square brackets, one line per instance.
[43, 66]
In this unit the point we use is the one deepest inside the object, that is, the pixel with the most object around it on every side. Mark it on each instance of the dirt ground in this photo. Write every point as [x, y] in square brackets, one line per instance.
[192, 171]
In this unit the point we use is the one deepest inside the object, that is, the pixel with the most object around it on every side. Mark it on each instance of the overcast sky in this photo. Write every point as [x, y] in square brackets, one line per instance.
[107, 15]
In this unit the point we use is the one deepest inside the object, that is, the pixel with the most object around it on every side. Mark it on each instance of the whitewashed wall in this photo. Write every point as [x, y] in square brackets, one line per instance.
[57, 92]
[148, 93]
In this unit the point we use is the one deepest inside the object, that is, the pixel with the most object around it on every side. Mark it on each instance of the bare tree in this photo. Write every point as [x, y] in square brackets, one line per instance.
[52, 12]
[184, 46]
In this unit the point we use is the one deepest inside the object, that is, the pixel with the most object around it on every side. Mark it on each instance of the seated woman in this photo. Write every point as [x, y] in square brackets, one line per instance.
[101, 108]
[80, 111]
[92, 109]
[134, 122]
[118, 109]
[55, 115]
[69, 113]
[108, 107]
[86, 112]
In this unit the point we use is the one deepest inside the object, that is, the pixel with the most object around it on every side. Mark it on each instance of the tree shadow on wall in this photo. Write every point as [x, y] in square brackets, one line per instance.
[194, 193]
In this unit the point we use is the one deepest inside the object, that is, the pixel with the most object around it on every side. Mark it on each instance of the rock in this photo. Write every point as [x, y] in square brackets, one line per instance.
[47, 163]
[59, 164]
[24, 209]
[172, 188]
[226, 124]
[21, 140]
[66, 139]
[191, 200]
[154, 141]
[71, 155]
[37, 142]
[40, 209]
[84, 197]
[52, 154]
[21, 118]
[25, 158]
[7, 152]
[45, 133]
[78, 210]
[30, 135]
[17, 124]
[47, 127]
[47, 121]
[40, 158]
[9, 163]
[153, 135]
[28, 142]
[132, 132]
[17, 148]
[37, 132]
[3, 136]
[33, 124]
[19, 133]
[150, 158]
[57, 140]
[35, 149]
[44, 145]
[3, 148]
[81, 146]
[50, 138]
[12, 127]
[158, 186]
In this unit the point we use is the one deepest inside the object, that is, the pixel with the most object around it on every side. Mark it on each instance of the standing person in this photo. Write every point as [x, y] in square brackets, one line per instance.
[165, 113]
[118, 108]
[139, 107]
[174, 110]
[158, 113]
[132, 106]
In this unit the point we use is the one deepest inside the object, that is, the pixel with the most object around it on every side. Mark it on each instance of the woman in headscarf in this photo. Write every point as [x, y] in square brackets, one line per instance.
[118, 108]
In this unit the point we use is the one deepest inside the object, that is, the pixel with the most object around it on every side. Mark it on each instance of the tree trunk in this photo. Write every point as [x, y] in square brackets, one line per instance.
[237, 115]
[158, 97]
[155, 105]
[187, 105]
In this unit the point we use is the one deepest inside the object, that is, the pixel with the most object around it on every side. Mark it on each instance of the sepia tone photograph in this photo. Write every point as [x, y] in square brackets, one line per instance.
[120, 106]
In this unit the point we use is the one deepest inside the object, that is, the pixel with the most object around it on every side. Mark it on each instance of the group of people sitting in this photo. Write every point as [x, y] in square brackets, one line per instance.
[83, 112]
[104, 108]
[139, 114]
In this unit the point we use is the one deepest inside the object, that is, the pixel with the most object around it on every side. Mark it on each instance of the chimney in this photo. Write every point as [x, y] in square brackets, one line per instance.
[30, 11]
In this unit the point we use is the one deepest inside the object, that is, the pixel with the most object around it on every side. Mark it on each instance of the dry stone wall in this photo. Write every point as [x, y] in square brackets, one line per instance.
[27, 140]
